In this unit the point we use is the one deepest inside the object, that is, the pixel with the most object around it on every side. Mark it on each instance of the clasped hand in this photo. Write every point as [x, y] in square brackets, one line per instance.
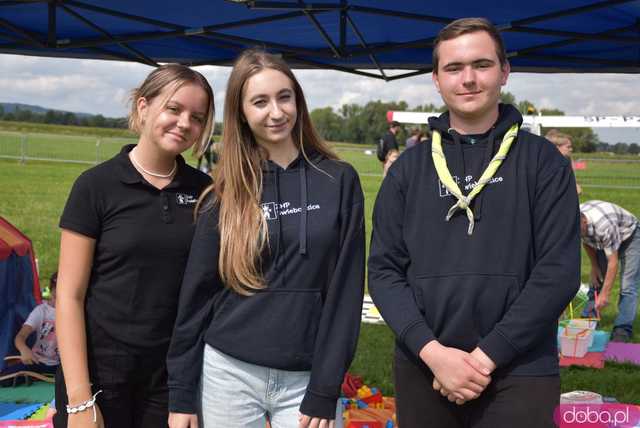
[458, 375]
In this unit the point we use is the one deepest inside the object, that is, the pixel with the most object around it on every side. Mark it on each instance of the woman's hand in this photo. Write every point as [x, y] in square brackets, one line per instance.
[305, 421]
[84, 419]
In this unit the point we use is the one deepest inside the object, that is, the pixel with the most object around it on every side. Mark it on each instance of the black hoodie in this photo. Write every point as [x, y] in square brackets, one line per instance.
[501, 288]
[308, 317]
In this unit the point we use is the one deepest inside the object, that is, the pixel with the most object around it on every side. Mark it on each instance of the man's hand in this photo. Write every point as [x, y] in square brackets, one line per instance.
[458, 373]
[482, 358]
[28, 358]
[602, 300]
[596, 277]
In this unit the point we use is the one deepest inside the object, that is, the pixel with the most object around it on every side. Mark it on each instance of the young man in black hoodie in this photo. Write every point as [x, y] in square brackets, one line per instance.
[475, 252]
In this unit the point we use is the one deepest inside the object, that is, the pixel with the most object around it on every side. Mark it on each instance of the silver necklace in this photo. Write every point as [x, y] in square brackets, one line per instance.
[153, 174]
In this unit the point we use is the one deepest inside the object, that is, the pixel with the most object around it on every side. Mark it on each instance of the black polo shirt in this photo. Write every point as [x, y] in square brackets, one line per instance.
[143, 236]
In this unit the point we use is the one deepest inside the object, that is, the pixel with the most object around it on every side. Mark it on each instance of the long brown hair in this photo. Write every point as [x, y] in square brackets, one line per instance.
[172, 77]
[237, 180]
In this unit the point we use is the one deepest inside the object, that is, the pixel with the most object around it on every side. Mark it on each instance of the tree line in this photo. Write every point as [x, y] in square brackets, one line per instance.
[351, 123]
[62, 118]
[359, 124]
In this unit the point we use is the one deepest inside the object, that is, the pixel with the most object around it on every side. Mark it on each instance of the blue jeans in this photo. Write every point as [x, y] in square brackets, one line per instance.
[236, 394]
[629, 263]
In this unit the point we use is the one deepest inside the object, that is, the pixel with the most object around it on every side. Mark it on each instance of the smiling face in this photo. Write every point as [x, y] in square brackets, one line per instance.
[177, 124]
[469, 77]
[269, 107]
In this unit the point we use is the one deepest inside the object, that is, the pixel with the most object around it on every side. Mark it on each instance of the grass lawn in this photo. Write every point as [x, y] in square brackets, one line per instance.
[33, 195]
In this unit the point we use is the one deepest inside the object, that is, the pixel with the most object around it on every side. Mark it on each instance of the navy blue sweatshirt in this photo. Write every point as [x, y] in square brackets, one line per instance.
[501, 288]
[308, 317]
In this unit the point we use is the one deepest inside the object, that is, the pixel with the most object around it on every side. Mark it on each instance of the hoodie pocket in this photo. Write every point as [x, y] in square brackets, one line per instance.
[463, 308]
[281, 325]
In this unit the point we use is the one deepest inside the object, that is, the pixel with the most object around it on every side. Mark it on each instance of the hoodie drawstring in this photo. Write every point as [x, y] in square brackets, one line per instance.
[303, 208]
[440, 163]
[276, 178]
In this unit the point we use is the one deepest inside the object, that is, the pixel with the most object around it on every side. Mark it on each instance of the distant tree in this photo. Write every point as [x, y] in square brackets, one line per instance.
[526, 107]
[507, 98]
[551, 112]
[217, 130]
[633, 149]
[430, 107]
[328, 123]
[23, 115]
[99, 121]
[584, 140]
[50, 116]
[69, 119]
[620, 148]
[1, 111]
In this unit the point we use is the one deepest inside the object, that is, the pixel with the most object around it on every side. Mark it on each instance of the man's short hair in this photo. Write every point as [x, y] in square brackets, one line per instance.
[463, 26]
[558, 138]
[394, 124]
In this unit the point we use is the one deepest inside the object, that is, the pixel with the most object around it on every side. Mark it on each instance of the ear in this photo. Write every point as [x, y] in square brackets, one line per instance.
[143, 109]
[506, 69]
[434, 78]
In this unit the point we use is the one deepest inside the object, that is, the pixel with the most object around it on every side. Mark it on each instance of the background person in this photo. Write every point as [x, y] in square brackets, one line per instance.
[43, 356]
[392, 156]
[270, 306]
[565, 147]
[413, 139]
[611, 239]
[390, 142]
[126, 231]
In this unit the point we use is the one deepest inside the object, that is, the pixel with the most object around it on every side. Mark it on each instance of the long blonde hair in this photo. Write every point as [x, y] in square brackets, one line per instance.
[172, 77]
[237, 180]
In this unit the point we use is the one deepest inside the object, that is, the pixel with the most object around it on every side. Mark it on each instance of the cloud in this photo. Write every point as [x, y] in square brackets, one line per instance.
[94, 86]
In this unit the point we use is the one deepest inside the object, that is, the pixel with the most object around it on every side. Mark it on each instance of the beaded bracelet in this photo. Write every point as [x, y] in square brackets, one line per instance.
[89, 404]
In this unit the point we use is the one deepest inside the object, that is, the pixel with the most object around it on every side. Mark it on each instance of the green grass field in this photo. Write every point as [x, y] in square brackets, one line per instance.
[33, 195]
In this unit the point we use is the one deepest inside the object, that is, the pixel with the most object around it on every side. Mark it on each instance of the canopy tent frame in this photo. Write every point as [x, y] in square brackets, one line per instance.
[48, 43]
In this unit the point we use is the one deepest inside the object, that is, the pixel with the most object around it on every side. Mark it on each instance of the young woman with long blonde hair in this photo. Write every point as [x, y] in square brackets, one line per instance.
[126, 232]
[269, 310]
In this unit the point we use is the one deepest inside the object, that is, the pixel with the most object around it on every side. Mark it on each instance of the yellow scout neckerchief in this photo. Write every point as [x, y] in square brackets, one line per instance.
[447, 180]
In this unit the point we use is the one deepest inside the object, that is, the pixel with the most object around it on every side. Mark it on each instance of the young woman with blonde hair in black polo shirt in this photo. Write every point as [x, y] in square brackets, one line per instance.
[270, 304]
[126, 231]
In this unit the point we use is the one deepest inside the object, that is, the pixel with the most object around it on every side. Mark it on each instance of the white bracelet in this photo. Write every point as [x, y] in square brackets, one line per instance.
[84, 406]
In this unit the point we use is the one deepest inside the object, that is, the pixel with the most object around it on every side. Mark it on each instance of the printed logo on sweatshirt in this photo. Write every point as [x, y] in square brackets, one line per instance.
[271, 210]
[444, 192]
[468, 185]
[185, 199]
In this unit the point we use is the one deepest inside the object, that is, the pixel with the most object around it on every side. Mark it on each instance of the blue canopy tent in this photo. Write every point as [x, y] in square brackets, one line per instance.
[358, 36]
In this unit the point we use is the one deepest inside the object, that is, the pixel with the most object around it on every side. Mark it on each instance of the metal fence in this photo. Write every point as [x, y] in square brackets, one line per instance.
[59, 148]
[614, 173]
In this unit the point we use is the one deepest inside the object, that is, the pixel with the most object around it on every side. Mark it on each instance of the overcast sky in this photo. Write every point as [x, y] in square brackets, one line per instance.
[93, 86]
